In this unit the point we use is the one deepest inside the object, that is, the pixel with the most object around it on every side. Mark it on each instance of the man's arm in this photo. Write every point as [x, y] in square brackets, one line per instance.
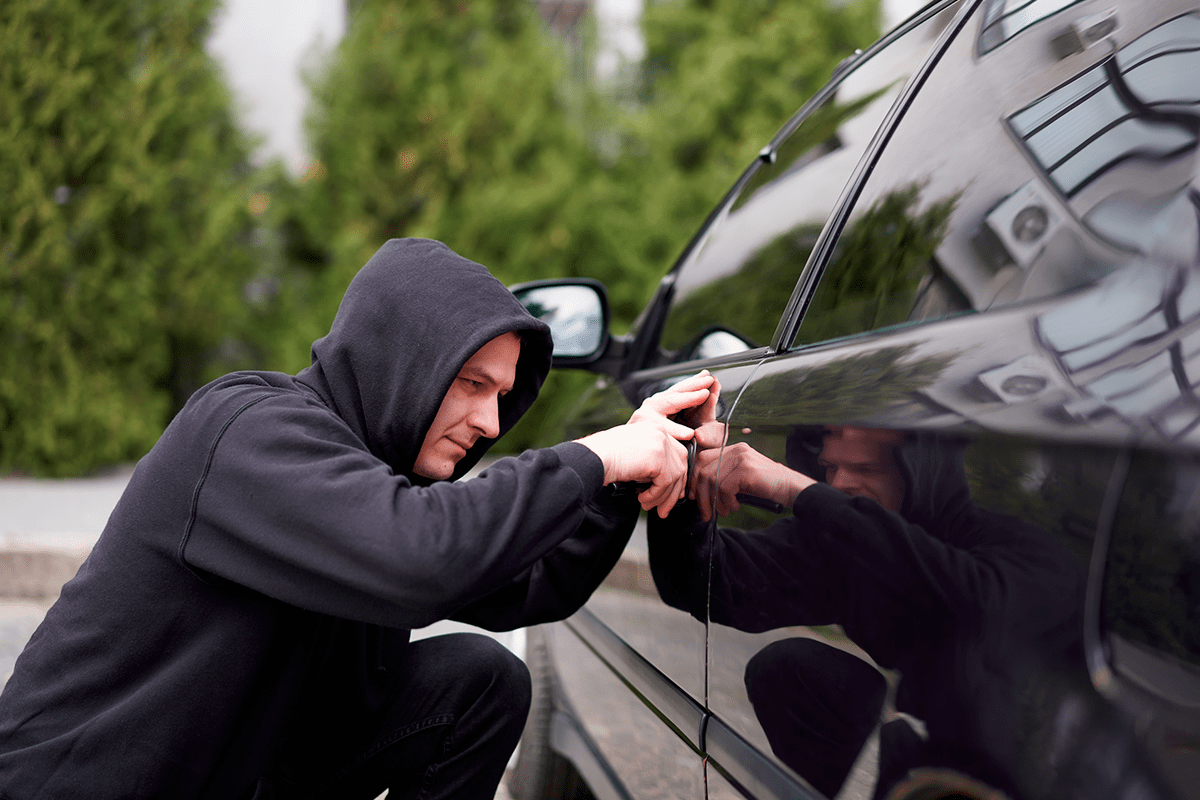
[561, 582]
[292, 506]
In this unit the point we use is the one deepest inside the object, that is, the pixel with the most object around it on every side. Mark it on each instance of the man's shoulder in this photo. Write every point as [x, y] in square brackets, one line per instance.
[239, 389]
[221, 403]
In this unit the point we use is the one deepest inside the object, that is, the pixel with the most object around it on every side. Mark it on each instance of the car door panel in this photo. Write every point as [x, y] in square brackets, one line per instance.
[653, 728]
[918, 602]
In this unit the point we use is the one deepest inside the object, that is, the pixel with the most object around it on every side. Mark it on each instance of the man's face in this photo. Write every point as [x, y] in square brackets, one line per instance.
[471, 408]
[859, 462]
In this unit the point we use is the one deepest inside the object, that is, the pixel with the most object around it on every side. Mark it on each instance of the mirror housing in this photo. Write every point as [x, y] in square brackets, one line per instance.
[576, 309]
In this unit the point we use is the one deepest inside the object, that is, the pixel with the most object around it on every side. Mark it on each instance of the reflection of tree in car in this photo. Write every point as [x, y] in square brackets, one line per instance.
[747, 298]
[764, 282]
[854, 387]
[1152, 578]
[891, 547]
[880, 267]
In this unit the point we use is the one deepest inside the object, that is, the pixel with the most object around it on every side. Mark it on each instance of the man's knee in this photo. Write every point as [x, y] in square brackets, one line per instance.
[494, 673]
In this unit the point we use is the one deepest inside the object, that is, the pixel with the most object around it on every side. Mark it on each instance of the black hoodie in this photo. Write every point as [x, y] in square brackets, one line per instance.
[274, 543]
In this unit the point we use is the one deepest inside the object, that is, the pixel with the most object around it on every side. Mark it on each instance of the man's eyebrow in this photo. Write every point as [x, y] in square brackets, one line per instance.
[821, 460]
[476, 372]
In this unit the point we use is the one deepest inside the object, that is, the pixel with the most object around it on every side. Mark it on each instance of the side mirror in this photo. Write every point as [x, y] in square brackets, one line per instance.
[576, 309]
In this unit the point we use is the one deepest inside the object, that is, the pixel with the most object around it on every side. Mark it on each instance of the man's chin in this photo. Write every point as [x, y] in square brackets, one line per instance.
[442, 471]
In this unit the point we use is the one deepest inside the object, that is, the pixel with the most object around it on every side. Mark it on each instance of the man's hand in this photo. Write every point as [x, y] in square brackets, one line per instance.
[647, 449]
[697, 396]
[743, 469]
[644, 453]
[700, 390]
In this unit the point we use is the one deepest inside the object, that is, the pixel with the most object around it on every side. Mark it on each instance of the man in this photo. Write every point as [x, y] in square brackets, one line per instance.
[241, 627]
[956, 599]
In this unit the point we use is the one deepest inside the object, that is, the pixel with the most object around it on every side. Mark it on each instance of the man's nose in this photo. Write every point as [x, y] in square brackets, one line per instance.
[486, 418]
[844, 481]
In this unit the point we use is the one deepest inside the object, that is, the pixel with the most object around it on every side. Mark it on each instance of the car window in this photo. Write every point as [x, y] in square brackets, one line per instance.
[1023, 172]
[738, 280]
[1150, 592]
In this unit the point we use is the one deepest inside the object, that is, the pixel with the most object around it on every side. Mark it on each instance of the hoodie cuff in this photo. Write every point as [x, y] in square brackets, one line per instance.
[816, 499]
[586, 464]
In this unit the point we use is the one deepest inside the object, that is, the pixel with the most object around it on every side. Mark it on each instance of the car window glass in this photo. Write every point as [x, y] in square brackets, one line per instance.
[739, 279]
[1024, 172]
[1151, 597]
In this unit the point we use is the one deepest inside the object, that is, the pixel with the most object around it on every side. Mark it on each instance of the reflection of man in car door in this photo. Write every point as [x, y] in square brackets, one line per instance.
[891, 547]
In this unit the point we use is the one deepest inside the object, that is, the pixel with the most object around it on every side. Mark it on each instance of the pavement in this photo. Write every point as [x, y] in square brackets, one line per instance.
[47, 529]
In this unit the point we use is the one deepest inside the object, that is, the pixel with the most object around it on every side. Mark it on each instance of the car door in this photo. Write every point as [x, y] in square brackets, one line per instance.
[1004, 308]
[718, 309]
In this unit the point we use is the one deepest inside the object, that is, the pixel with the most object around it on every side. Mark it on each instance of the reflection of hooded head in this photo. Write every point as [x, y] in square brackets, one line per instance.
[934, 472]
[936, 492]
[409, 321]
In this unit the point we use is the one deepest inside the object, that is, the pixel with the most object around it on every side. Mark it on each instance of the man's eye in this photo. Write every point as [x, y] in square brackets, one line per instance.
[473, 384]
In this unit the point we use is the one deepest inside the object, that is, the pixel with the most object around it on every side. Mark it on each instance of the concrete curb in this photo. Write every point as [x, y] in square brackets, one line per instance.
[37, 574]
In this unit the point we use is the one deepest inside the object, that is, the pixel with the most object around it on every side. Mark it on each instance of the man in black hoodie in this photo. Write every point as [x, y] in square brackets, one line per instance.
[241, 627]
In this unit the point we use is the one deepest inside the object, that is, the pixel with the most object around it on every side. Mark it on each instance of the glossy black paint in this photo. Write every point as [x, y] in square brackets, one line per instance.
[964, 285]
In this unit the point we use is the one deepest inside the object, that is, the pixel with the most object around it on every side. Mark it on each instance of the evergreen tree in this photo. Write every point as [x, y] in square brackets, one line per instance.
[125, 225]
[443, 119]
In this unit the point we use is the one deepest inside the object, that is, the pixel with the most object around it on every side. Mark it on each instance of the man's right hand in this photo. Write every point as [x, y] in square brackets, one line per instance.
[643, 452]
[647, 449]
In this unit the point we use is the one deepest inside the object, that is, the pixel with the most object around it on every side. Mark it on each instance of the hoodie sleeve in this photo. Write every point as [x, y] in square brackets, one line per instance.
[290, 505]
[558, 584]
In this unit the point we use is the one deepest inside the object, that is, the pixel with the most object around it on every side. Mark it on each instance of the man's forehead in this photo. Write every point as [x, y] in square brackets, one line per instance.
[496, 360]
[862, 445]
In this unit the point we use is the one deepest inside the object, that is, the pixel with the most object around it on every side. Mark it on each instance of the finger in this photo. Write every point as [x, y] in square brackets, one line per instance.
[672, 402]
[710, 435]
[668, 478]
[676, 483]
[675, 430]
[701, 380]
[708, 411]
[672, 497]
[662, 497]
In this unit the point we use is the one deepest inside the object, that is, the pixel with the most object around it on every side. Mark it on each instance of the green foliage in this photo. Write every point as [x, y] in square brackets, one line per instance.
[449, 120]
[874, 278]
[124, 229]
[140, 255]
[466, 122]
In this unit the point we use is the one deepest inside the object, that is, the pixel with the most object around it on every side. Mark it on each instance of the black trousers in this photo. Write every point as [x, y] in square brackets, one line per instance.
[446, 730]
[817, 704]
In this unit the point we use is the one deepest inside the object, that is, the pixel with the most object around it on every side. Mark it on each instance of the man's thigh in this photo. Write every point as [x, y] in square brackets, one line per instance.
[451, 717]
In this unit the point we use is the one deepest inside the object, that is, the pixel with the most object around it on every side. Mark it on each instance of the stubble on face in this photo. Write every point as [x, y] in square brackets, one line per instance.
[471, 408]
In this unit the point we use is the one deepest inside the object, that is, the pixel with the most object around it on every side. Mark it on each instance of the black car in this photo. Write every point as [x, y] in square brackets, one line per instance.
[961, 288]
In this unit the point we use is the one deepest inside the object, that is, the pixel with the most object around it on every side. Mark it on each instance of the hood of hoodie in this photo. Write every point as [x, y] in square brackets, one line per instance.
[410, 319]
[937, 495]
